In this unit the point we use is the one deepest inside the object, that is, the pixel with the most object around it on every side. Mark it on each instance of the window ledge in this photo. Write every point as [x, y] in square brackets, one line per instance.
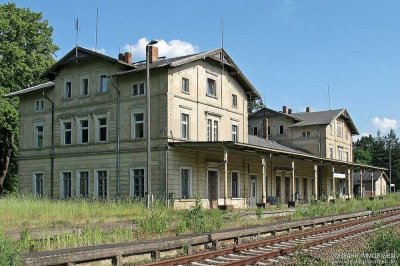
[84, 96]
[185, 92]
[102, 93]
[67, 99]
[211, 96]
[139, 95]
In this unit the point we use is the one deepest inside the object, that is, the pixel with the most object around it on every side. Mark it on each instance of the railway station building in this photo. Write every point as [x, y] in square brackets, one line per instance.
[83, 134]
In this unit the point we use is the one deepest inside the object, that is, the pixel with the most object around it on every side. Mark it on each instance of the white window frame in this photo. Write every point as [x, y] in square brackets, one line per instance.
[133, 123]
[339, 130]
[100, 89]
[63, 131]
[138, 84]
[187, 123]
[96, 182]
[67, 95]
[81, 89]
[80, 128]
[213, 93]
[185, 85]
[190, 181]
[215, 130]
[78, 182]
[283, 130]
[36, 134]
[39, 105]
[234, 101]
[97, 122]
[34, 187]
[132, 180]
[238, 183]
[236, 134]
[340, 153]
[331, 155]
[209, 129]
[62, 183]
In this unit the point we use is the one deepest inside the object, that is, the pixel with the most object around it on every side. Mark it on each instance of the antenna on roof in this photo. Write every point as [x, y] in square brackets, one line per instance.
[329, 98]
[76, 39]
[97, 25]
[222, 51]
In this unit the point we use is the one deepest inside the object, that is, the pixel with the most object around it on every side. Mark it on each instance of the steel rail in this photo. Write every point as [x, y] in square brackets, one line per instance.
[266, 242]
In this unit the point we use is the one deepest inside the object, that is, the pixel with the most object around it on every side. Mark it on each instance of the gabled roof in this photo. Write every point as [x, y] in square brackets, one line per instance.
[43, 86]
[324, 118]
[367, 176]
[79, 54]
[217, 55]
[310, 118]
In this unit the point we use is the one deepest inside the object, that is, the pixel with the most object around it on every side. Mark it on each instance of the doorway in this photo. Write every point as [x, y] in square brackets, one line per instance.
[212, 176]
[287, 189]
[253, 190]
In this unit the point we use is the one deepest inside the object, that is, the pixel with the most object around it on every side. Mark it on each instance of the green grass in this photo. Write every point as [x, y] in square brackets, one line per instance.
[326, 208]
[159, 221]
[28, 212]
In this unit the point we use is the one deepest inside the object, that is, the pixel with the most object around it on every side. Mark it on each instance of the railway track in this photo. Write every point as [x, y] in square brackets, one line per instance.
[269, 251]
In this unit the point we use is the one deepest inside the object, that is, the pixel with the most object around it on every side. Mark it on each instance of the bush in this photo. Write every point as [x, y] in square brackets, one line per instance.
[198, 220]
[156, 221]
[9, 251]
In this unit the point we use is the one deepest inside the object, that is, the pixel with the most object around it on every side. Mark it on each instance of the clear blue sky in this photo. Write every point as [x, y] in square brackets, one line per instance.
[290, 50]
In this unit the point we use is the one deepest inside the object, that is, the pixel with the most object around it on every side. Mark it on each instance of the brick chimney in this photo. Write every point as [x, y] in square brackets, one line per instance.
[308, 109]
[125, 57]
[265, 128]
[153, 54]
[289, 111]
[284, 109]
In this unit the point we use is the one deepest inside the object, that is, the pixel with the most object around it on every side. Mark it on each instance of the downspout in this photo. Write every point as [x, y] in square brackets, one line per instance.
[52, 147]
[118, 151]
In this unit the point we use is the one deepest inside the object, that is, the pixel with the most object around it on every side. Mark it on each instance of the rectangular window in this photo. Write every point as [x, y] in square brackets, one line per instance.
[102, 184]
[103, 82]
[340, 153]
[39, 105]
[215, 130]
[67, 133]
[38, 135]
[84, 85]
[235, 133]
[138, 89]
[234, 100]
[186, 181]
[281, 130]
[102, 128]
[306, 134]
[83, 131]
[67, 88]
[211, 88]
[235, 184]
[346, 135]
[66, 185]
[269, 131]
[138, 125]
[38, 184]
[185, 85]
[255, 131]
[184, 126]
[83, 181]
[209, 129]
[330, 129]
[138, 183]
[339, 130]
[331, 152]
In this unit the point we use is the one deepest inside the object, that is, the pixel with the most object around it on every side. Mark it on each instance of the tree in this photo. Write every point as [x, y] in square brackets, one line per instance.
[255, 105]
[26, 51]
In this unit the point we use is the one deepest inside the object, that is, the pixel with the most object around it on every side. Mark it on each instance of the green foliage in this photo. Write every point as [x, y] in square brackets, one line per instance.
[198, 220]
[9, 251]
[375, 151]
[255, 105]
[259, 212]
[26, 50]
[155, 221]
[385, 241]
